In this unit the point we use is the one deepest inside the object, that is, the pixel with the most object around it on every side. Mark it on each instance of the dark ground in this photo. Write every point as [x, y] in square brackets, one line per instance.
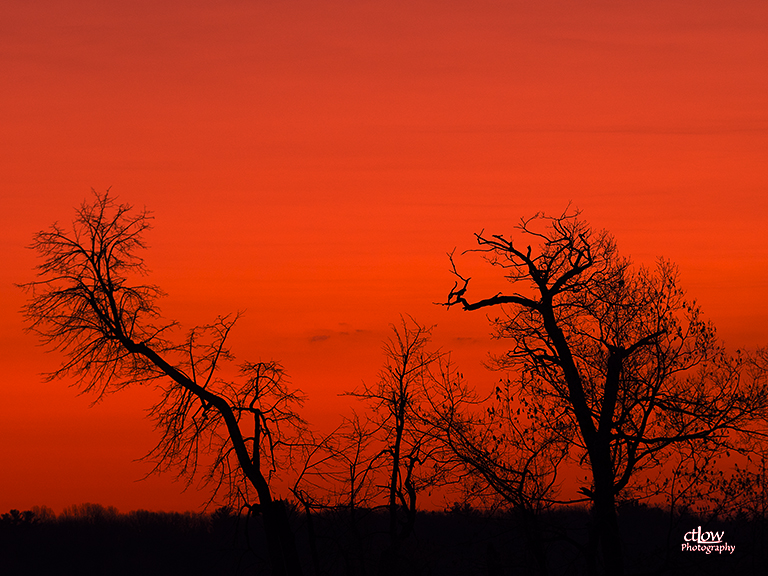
[94, 540]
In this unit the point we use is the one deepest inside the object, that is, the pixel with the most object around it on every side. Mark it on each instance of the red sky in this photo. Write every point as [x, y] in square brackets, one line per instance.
[312, 163]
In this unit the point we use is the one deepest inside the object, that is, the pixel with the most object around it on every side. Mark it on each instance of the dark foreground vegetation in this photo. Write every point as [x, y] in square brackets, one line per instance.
[91, 539]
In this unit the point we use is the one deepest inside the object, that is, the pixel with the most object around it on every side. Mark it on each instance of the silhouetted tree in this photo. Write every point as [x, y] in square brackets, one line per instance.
[398, 402]
[745, 493]
[89, 512]
[339, 471]
[339, 476]
[613, 356]
[88, 303]
[15, 517]
[506, 460]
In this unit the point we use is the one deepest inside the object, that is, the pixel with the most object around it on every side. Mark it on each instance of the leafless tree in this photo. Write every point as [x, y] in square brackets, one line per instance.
[89, 303]
[398, 402]
[497, 451]
[340, 471]
[340, 476]
[612, 355]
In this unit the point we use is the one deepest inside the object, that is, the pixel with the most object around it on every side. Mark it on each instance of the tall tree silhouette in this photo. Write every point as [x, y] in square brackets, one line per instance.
[399, 401]
[613, 352]
[89, 303]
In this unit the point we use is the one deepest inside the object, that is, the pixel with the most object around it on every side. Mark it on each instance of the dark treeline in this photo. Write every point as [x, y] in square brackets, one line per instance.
[91, 539]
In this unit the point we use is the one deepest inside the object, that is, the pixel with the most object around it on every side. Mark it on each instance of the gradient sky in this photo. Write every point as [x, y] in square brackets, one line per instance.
[312, 162]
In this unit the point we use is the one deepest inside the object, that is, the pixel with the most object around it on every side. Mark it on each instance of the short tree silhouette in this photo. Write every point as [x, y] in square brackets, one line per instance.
[88, 303]
[339, 476]
[504, 458]
[612, 356]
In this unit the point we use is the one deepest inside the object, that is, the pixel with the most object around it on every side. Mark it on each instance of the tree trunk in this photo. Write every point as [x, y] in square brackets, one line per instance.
[312, 539]
[390, 555]
[606, 524]
[280, 541]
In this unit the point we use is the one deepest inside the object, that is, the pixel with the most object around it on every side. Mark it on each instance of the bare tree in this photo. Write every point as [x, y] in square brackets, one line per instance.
[613, 352]
[497, 453]
[399, 401]
[341, 475]
[88, 303]
[340, 470]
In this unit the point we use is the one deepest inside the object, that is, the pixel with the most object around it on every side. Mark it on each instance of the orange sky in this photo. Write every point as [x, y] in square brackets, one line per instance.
[312, 163]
